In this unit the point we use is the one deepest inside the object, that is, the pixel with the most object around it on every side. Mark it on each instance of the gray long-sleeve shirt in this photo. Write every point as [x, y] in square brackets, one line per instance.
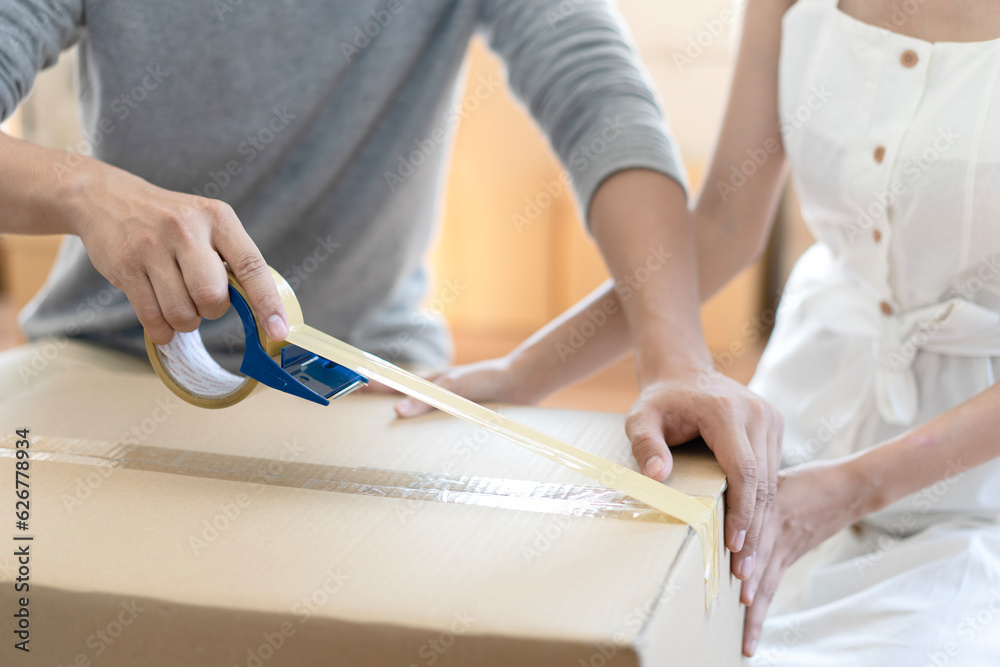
[326, 124]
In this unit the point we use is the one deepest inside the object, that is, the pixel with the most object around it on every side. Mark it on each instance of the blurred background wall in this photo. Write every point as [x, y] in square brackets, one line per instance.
[515, 276]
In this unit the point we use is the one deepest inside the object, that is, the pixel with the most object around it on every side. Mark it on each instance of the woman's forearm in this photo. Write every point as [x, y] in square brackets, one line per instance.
[594, 332]
[735, 208]
[590, 335]
[954, 441]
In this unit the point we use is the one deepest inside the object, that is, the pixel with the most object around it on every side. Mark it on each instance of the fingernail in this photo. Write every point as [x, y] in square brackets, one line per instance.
[738, 541]
[654, 465]
[746, 567]
[276, 327]
[405, 407]
[752, 647]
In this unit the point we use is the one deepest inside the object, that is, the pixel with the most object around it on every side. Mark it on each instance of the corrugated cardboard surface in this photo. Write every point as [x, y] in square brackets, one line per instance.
[133, 567]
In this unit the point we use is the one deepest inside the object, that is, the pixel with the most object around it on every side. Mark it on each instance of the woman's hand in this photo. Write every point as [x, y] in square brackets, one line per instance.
[814, 502]
[494, 380]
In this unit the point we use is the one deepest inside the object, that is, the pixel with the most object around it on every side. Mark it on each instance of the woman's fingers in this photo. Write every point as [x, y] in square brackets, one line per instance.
[411, 407]
[757, 611]
[376, 387]
[489, 380]
[771, 546]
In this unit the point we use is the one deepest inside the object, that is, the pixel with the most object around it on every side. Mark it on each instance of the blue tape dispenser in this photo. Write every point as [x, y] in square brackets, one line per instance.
[186, 367]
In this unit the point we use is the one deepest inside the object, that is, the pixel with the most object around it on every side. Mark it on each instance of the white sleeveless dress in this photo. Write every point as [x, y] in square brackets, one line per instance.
[890, 319]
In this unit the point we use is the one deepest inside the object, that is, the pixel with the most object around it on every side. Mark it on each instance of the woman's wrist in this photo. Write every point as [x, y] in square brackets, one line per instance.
[872, 477]
[530, 375]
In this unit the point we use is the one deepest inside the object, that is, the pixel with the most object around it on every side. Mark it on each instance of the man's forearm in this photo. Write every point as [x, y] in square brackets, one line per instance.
[641, 222]
[33, 187]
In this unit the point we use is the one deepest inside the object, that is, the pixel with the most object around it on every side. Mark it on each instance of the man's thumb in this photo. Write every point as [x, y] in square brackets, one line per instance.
[645, 431]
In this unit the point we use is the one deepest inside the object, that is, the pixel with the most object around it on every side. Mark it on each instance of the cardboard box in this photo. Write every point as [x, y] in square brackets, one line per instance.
[279, 532]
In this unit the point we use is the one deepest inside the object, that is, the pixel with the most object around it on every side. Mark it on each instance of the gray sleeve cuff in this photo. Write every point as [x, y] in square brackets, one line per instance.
[617, 145]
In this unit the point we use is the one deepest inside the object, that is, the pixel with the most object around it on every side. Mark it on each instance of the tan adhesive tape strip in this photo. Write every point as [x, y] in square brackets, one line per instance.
[699, 513]
[511, 494]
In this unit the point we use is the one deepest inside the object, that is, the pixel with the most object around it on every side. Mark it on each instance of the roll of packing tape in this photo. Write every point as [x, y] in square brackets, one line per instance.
[192, 374]
[189, 371]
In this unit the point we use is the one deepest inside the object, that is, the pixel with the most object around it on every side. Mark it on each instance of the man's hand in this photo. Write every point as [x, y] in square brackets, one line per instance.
[682, 396]
[165, 250]
[742, 430]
